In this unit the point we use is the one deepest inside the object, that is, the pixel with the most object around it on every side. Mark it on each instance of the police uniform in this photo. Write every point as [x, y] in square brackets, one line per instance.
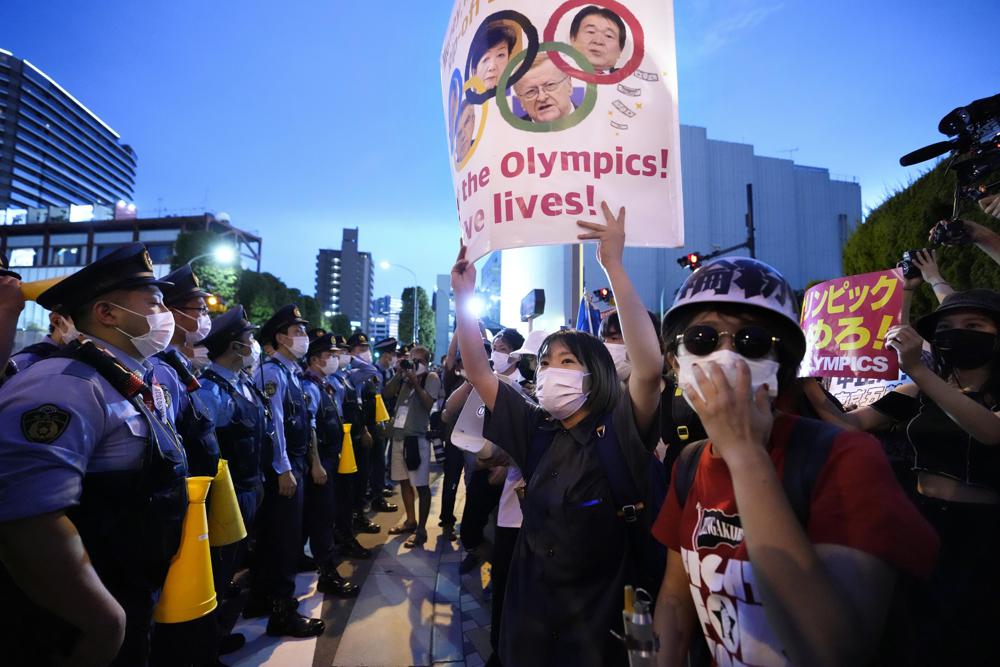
[367, 381]
[279, 520]
[27, 356]
[86, 433]
[377, 472]
[320, 499]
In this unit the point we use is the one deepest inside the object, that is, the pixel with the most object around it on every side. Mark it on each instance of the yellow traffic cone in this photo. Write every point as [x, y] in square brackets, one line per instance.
[225, 521]
[347, 463]
[31, 290]
[189, 592]
[381, 414]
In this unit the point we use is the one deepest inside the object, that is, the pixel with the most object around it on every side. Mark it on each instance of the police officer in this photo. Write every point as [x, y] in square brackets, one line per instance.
[92, 491]
[279, 524]
[320, 493]
[239, 415]
[385, 364]
[367, 382]
[11, 305]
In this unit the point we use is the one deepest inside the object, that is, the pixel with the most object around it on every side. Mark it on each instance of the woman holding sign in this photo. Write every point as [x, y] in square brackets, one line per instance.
[951, 417]
[571, 561]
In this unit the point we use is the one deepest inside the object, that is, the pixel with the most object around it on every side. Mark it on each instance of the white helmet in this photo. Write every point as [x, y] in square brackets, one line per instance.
[739, 280]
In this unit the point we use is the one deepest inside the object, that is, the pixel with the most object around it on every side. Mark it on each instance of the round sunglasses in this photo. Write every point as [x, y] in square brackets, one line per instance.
[752, 342]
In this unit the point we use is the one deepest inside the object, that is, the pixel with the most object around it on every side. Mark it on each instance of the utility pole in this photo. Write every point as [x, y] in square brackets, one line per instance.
[751, 230]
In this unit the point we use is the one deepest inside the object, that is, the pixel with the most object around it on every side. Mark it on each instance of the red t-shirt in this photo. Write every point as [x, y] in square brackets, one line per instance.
[856, 502]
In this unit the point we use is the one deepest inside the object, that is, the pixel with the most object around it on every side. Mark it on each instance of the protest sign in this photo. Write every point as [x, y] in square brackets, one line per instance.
[859, 392]
[551, 108]
[846, 321]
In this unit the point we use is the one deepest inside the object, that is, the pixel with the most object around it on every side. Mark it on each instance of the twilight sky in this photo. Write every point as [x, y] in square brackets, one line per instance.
[302, 118]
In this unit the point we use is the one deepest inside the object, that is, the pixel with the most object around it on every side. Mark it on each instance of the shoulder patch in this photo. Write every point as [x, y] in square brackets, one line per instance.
[270, 389]
[44, 424]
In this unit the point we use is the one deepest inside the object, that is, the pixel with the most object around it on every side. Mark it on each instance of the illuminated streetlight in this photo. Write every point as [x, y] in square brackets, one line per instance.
[222, 254]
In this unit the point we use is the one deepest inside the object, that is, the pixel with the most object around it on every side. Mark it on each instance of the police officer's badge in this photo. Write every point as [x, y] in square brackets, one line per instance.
[194, 279]
[270, 389]
[296, 313]
[44, 424]
[147, 260]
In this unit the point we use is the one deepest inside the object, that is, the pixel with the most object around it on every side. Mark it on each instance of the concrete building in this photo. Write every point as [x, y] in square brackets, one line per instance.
[54, 151]
[345, 280]
[802, 216]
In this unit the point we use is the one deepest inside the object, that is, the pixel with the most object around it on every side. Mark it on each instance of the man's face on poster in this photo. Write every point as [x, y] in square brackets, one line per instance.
[545, 92]
[598, 40]
[466, 130]
[492, 64]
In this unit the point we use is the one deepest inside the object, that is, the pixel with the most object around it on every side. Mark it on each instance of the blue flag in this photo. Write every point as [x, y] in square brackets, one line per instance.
[588, 318]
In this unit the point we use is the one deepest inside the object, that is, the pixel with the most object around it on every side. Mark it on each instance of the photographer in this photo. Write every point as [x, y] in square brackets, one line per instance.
[983, 237]
[925, 261]
[416, 389]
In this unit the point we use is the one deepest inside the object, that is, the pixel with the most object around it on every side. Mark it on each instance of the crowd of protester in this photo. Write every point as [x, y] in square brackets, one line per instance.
[767, 523]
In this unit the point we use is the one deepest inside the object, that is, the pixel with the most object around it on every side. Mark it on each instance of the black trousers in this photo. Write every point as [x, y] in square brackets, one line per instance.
[481, 498]
[454, 462]
[279, 539]
[503, 553]
[376, 470]
[363, 457]
[344, 505]
[226, 559]
[320, 515]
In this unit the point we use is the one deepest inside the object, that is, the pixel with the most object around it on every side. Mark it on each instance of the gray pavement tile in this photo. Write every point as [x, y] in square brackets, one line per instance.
[446, 633]
[480, 616]
[480, 638]
[448, 584]
[474, 660]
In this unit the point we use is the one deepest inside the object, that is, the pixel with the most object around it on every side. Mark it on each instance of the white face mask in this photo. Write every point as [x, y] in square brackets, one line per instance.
[560, 391]
[344, 359]
[156, 340]
[762, 371]
[366, 356]
[200, 359]
[67, 330]
[501, 361]
[620, 355]
[331, 365]
[298, 347]
[204, 326]
[250, 360]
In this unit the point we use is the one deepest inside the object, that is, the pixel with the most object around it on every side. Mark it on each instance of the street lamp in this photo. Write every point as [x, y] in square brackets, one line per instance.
[223, 254]
[386, 265]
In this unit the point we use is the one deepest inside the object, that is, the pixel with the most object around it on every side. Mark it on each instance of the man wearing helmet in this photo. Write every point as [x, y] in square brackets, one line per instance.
[784, 535]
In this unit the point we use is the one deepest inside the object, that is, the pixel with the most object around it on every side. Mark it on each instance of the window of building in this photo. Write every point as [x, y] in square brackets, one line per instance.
[67, 255]
[26, 256]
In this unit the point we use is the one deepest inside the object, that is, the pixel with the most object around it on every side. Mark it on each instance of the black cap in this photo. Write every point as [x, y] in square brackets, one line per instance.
[512, 337]
[315, 333]
[4, 270]
[226, 328]
[385, 345]
[129, 267]
[341, 343]
[985, 300]
[357, 339]
[185, 286]
[324, 343]
[285, 317]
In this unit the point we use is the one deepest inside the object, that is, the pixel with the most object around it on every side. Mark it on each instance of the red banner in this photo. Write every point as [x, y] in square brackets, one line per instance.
[846, 321]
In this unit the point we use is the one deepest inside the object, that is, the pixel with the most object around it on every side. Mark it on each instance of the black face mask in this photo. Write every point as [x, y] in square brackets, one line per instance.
[964, 349]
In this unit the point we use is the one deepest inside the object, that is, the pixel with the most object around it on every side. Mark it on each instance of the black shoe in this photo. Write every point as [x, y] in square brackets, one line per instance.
[333, 584]
[353, 549]
[388, 493]
[231, 643]
[363, 524]
[285, 621]
[306, 564]
[384, 506]
[469, 563]
[257, 606]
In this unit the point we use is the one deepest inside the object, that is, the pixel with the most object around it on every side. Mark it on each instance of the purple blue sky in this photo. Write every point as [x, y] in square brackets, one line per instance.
[301, 118]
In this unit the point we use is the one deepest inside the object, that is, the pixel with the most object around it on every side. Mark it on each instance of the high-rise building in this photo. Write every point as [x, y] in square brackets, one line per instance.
[54, 151]
[345, 281]
[385, 318]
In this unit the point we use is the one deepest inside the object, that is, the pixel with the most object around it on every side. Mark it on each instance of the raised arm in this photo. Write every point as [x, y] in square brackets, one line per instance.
[640, 336]
[470, 341]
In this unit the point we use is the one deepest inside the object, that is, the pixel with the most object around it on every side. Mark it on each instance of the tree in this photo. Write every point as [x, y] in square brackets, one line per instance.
[902, 223]
[219, 280]
[340, 325]
[427, 328]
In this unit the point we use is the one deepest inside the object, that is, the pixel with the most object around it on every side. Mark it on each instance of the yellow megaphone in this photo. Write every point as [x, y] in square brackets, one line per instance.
[225, 521]
[31, 290]
[381, 414]
[347, 463]
[189, 591]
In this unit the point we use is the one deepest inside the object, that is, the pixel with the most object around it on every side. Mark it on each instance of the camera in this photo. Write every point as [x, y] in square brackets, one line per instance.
[950, 232]
[974, 148]
[405, 365]
[910, 270]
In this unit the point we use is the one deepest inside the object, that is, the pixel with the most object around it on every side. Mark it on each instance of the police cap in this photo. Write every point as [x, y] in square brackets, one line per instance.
[358, 339]
[186, 286]
[128, 267]
[226, 328]
[285, 317]
[385, 345]
[324, 343]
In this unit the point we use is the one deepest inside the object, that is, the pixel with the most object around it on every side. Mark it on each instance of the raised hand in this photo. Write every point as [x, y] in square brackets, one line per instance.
[463, 275]
[610, 236]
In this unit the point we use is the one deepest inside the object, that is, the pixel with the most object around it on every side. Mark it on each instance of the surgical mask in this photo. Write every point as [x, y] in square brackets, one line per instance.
[560, 391]
[200, 359]
[501, 361]
[366, 356]
[250, 360]
[299, 346]
[68, 331]
[345, 360]
[965, 349]
[331, 365]
[204, 327]
[762, 371]
[156, 340]
[619, 354]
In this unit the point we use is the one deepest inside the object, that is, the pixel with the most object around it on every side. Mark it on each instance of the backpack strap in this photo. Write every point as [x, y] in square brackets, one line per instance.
[809, 447]
[685, 469]
[624, 491]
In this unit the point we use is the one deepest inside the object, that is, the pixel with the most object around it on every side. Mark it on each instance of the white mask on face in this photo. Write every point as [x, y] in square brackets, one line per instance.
[331, 365]
[619, 354]
[251, 359]
[501, 361]
[67, 330]
[560, 391]
[156, 340]
[366, 356]
[344, 359]
[204, 324]
[200, 359]
[762, 371]
[298, 347]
